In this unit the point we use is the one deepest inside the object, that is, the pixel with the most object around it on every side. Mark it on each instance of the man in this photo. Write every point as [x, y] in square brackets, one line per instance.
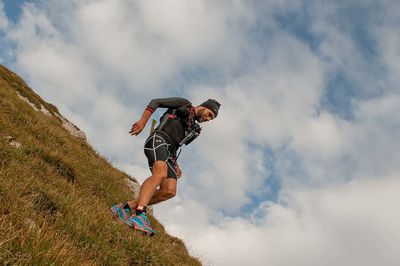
[178, 126]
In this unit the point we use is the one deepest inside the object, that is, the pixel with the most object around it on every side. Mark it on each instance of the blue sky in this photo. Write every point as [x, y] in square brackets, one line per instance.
[306, 131]
[12, 8]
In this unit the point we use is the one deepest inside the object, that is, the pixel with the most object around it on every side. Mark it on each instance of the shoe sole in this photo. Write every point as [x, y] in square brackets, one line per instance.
[117, 217]
[142, 230]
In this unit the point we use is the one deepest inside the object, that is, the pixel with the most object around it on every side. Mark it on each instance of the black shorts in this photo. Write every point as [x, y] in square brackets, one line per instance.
[156, 148]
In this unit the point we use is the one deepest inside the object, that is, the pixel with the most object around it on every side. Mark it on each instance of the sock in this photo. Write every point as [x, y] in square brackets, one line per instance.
[141, 209]
[126, 207]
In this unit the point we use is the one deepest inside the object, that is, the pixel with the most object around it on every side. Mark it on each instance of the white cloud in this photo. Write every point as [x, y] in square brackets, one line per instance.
[263, 109]
[352, 224]
[101, 62]
[62, 75]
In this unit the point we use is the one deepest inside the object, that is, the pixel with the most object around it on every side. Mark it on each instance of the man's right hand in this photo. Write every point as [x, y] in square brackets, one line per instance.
[137, 127]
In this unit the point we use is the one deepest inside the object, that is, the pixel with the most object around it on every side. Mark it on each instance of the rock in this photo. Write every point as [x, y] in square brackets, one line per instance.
[15, 144]
[71, 128]
[27, 101]
[134, 186]
[30, 223]
[8, 138]
[42, 108]
[12, 142]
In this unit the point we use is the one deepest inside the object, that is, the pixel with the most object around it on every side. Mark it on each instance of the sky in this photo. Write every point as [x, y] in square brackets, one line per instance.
[301, 166]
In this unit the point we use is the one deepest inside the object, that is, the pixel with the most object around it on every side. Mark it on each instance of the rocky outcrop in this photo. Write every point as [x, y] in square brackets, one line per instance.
[70, 127]
[12, 142]
[134, 186]
[42, 108]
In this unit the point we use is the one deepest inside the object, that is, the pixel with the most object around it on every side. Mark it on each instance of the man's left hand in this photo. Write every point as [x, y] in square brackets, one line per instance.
[178, 171]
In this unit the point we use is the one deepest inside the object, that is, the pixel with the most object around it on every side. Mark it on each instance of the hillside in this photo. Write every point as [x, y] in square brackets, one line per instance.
[56, 193]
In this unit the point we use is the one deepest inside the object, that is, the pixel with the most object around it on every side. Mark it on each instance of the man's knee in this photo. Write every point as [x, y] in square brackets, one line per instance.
[160, 170]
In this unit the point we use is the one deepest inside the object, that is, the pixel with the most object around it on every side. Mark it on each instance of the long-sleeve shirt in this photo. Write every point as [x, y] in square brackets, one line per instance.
[174, 128]
[173, 102]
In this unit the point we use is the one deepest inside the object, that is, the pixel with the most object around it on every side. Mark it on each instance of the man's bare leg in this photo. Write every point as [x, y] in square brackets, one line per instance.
[149, 186]
[166, 191]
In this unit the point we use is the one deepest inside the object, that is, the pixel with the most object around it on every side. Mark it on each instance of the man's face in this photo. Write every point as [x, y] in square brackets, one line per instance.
[205, 115]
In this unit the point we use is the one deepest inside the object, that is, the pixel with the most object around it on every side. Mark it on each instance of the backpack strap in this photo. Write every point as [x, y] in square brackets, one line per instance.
[153, 124]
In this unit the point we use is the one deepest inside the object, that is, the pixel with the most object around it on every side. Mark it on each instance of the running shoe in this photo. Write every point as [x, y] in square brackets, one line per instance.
[140, 222]
[120, 212]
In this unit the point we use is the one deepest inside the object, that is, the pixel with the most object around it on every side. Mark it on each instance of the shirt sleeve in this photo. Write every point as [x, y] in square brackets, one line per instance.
[173, 102]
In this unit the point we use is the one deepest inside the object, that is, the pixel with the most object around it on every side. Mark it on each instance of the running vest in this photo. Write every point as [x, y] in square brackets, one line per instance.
[180, 125]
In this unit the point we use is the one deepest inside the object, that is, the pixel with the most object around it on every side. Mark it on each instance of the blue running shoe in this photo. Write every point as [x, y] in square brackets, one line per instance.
[120, 212]
[140, 222]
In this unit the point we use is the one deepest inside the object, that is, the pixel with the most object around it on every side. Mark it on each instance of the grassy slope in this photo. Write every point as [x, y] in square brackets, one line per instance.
[55, 195]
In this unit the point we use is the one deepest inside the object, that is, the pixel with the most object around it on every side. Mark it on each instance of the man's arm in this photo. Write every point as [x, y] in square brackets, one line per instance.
[139, 125]
[173, 102]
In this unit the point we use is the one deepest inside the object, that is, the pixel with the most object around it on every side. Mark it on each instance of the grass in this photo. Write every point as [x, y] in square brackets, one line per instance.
[56, 193]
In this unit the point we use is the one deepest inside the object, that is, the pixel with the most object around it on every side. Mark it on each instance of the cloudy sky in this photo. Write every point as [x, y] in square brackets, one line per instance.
[302, 165]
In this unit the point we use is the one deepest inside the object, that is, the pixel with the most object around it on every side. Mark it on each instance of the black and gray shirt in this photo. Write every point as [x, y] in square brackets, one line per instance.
[180, 118]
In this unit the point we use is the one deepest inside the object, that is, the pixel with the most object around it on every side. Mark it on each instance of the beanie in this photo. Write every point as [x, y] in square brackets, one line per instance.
[213, 105]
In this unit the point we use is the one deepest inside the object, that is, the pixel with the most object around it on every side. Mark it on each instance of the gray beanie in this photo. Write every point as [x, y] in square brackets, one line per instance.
[213, 105]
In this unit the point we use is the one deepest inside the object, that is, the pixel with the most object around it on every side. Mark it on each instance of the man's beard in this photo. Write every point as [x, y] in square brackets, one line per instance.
[199, 115]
